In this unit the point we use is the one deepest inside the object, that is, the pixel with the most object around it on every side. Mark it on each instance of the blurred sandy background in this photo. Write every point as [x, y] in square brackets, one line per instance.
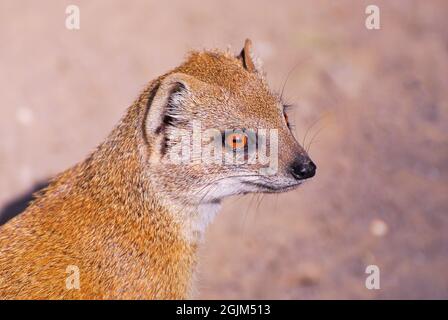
[380, 100]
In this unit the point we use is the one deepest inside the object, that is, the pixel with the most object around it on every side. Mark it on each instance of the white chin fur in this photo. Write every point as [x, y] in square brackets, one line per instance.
[194, 228]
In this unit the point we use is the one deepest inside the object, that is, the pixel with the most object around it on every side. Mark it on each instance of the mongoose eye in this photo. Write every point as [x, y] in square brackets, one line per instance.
[237, 141]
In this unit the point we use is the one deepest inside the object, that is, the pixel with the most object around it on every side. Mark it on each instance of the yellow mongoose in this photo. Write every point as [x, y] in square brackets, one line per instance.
[128, 217]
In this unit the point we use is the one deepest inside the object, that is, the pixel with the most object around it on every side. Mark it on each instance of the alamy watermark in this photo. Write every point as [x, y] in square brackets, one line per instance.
[225, 147]
[72, 282]
[373, 280]
[73, 18]
[373, 19]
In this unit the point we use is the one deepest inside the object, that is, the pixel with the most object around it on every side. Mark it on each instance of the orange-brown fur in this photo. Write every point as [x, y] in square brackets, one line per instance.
[95, 216]
[112, 214]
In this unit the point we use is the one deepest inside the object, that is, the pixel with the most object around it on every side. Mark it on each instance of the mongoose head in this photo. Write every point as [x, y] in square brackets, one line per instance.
[215, 129]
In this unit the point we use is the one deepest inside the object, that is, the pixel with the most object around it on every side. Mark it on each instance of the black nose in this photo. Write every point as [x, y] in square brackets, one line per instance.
[303, 168]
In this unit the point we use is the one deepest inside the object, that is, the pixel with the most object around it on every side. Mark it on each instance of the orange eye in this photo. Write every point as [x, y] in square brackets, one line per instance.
[237, 140]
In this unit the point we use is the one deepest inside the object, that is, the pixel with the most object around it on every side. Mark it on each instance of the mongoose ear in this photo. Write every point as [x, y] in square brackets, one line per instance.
[168, 95]
[246, 57]
[165, 110]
